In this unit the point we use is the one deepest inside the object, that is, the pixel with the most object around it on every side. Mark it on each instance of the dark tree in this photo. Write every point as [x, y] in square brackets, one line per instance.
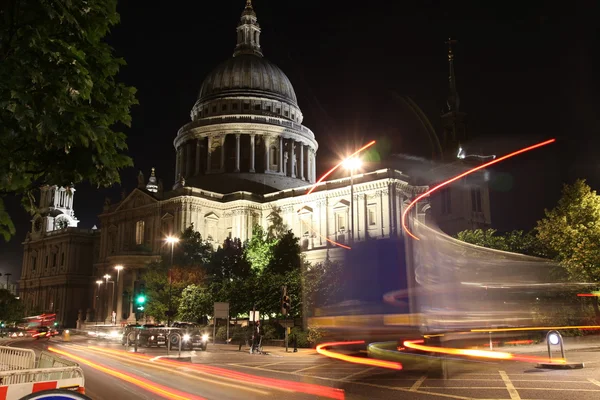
[59, 98]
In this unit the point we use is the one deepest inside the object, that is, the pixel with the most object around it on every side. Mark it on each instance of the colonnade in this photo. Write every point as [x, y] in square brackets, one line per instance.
[238, 152]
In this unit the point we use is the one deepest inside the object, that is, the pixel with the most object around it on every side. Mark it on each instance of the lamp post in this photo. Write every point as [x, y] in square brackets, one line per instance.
[107, 277]
[119, 268]
[352, 164]
[170, 240]
[99, 282]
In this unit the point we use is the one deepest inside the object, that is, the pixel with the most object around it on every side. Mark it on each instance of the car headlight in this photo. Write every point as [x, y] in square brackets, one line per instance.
[186, 337]
[205, 337]
[151, 337]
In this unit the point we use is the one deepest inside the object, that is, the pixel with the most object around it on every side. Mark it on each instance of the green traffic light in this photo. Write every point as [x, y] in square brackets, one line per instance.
[141, 299]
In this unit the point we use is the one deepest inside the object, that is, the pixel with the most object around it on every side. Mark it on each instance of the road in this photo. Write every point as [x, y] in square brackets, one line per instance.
[224, 373]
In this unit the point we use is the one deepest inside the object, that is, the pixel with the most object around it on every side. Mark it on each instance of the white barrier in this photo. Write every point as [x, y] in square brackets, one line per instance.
[16, 359]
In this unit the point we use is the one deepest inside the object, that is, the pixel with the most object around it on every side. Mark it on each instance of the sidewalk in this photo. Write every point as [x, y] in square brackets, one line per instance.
[268, 349]
[570, 344]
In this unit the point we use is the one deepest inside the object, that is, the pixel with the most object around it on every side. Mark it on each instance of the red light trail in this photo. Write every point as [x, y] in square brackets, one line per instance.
[460, 176]
[279, 384]
[356, 360]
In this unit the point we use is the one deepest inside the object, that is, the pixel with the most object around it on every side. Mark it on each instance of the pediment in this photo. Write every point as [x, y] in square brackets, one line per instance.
[211, 216]
[341, 204]
[167, 216]
[136, 199]
[305, 210]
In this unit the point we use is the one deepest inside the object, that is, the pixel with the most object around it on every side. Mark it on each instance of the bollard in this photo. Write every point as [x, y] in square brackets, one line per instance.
[554, 338]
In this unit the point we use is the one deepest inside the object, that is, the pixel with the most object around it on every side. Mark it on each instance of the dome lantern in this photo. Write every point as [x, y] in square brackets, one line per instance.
[248, 33]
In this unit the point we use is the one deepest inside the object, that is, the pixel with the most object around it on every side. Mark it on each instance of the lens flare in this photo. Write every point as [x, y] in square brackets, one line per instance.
[366, 146]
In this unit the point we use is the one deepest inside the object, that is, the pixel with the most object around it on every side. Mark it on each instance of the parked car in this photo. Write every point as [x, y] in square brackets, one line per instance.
[193, 336]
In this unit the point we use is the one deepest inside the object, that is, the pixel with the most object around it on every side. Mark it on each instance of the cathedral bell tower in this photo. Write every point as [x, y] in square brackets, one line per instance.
[453, 121]
[55, 210]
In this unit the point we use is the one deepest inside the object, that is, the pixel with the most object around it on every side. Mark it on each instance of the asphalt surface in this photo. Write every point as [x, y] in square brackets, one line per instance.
[466, 380]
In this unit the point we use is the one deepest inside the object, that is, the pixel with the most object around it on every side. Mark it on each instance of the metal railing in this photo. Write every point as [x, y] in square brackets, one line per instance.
[16, 359]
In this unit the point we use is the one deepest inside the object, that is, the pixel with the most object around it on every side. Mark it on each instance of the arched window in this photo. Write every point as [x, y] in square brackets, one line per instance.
[139, 232]
[273, 155]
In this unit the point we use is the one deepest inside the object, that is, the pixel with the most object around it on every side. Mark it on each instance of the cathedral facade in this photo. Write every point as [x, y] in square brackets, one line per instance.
[243, 156]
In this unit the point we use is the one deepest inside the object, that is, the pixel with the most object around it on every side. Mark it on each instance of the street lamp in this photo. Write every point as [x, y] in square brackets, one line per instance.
[119, 268]
[170, 240]
[352, 164]
[99, 282]
[107, 277]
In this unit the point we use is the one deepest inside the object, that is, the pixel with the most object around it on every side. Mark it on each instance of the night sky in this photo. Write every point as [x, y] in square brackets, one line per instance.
[525, 72]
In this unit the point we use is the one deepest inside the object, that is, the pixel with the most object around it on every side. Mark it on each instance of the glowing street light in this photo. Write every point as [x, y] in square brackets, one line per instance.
[352, 164]
[119, 268]
[170, 240]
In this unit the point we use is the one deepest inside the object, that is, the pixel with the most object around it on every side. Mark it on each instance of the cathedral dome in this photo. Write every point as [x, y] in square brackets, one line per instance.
[247, 75]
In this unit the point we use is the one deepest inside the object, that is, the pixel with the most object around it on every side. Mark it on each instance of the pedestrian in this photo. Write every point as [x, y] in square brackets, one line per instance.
[257, 336]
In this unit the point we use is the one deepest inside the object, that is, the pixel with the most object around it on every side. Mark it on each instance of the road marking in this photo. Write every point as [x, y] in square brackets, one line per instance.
[595, 382]
[359, 372]
[223, 381]
[514, 395]
[418, 383]
[275, 363]
[314, 366]
[398, 389]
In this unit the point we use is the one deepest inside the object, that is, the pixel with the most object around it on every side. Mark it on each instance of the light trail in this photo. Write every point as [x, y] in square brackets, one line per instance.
[309, 226]
[300, 387]
[495, 355]
[145, 384]
[366, 146]
[356, 360]
[536, 328]
[143, 361]
[460, 176]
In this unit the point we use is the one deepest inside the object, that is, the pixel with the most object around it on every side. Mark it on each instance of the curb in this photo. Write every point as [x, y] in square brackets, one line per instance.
[550, 365]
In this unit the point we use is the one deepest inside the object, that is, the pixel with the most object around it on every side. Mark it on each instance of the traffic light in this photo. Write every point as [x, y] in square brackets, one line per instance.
[140, 300]
[285, 304]
[2, 325]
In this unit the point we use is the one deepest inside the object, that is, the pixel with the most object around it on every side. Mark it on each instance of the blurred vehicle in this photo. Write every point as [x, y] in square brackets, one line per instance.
[400, 288]
[147, 335]
[44, 332]
[193, 336]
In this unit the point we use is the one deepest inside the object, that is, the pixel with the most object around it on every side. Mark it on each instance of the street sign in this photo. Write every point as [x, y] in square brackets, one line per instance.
[287, 323]
[221, 310]
[254, 317]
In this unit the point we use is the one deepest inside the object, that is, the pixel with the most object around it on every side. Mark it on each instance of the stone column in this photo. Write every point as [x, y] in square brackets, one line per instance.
[252, 152]
[314, 165]
[188, 159]
[176, 165]
[280, 155]
[119, 296]
[237, 152]
[267, 153]
[292, 158]
[301, 169]
[198, 156]
[222, 169]
[208, 155]
[308, 165]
